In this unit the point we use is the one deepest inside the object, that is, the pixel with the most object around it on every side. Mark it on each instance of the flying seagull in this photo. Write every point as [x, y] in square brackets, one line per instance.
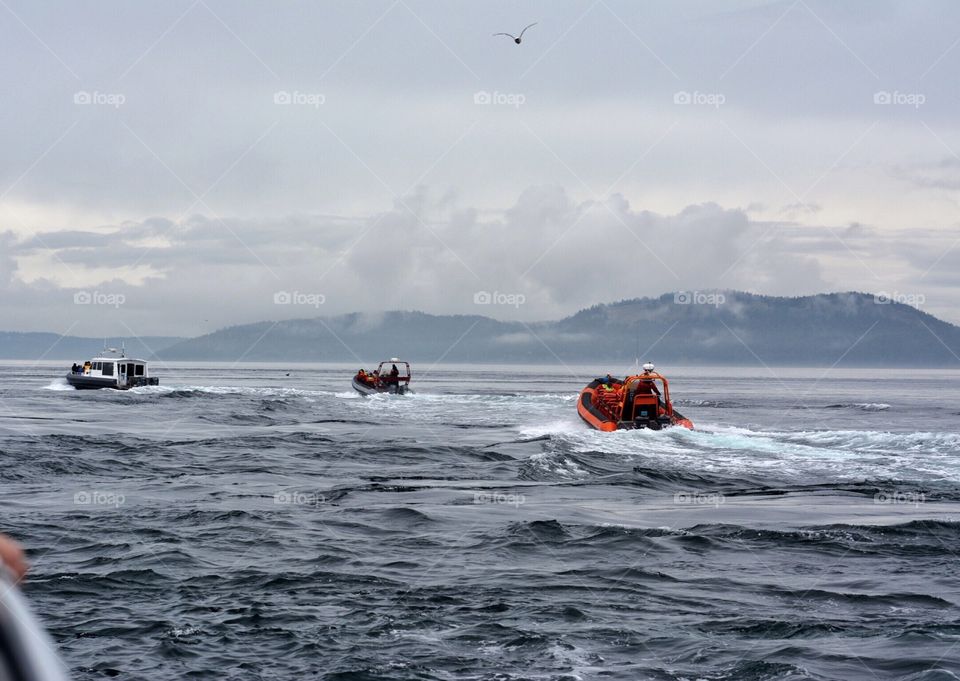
[517, 39]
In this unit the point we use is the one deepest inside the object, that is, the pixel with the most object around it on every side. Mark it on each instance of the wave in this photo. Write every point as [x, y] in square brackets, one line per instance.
[710, 404]
[539, 430]
[404, 516]
[59, 384]
[913, 539]
[238, 419]
[862, 406]
[878, 441]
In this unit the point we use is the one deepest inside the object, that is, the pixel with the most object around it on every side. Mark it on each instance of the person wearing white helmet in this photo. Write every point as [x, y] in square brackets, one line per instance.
[646, 385]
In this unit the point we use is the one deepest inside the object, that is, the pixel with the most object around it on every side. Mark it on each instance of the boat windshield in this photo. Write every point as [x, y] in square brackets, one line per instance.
[385, 369]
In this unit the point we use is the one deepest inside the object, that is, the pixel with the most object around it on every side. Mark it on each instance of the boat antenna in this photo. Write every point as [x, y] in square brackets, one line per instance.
[636, 361]
[123, 348]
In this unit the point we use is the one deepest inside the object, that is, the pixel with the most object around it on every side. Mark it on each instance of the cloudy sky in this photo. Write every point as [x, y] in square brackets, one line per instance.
[172, 168]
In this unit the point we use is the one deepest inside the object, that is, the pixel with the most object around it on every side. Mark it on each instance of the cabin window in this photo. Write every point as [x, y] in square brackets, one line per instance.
[97, 366]
[108, 368]
[139, 369]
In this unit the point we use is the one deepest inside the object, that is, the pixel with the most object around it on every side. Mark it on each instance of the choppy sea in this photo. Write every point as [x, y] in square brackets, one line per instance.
[265, 522]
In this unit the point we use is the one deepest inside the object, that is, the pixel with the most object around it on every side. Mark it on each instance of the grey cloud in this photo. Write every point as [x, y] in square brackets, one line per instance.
[943, 174]
[422, 255]
[8, 264]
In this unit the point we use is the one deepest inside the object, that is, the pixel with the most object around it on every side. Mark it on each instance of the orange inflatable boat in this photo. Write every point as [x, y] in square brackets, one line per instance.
[635, 402]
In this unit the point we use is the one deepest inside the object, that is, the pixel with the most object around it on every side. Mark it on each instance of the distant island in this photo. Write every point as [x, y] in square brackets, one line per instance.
[682, 328]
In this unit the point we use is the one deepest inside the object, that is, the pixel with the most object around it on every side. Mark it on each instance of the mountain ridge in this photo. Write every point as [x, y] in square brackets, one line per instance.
[701, 327]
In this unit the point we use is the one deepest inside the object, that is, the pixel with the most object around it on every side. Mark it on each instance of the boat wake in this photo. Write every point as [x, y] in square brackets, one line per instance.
[59, 384]
[785, 456]
[185, 391]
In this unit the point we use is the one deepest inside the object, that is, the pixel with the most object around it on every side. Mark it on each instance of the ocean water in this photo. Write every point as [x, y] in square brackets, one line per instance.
[237, 522]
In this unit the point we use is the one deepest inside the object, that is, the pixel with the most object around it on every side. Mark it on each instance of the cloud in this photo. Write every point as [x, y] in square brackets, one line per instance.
[545, 256]
[943, 174]
[8, 264]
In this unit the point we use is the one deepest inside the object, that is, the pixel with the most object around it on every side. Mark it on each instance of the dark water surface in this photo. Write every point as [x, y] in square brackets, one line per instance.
[238, 523]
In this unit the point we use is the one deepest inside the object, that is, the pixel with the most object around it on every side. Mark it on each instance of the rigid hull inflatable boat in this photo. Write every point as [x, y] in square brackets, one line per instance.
[635, 402]
[392, 381]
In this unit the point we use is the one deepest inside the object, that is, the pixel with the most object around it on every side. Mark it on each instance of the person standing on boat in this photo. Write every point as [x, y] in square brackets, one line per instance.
[394, 374]
[646, 386]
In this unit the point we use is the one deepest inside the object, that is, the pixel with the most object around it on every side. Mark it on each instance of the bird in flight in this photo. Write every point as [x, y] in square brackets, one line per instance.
[517, 38]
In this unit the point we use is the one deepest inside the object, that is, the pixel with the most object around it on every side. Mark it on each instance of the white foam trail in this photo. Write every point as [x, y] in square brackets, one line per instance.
[872, 406]
[735, 451]
[554, 428]
[229, 390]
[59, 384]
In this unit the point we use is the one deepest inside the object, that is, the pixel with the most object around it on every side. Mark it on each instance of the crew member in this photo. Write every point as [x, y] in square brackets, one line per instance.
[646, 386]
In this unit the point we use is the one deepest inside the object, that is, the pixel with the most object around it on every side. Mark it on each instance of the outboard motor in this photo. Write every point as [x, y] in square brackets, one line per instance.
[645, 417]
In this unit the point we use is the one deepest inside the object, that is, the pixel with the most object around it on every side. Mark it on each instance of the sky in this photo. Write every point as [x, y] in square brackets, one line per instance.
[173, 168]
